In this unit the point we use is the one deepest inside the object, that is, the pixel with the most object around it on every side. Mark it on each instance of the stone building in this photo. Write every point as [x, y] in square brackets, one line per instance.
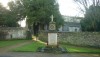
[71, 27]
[72, 24]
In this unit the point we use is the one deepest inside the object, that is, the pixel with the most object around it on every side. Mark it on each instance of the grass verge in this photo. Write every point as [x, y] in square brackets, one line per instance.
[71, 49]
[29, 47]
[10, 42]
[75, 49]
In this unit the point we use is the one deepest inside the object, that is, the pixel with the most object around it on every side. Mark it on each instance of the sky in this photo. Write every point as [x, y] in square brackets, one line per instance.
[4, 2]
[66, 7]
[69, 8]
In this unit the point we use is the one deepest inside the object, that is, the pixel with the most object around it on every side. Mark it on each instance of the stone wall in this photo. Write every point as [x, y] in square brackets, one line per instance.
[14, 32]
[78, 38]
[43, 36]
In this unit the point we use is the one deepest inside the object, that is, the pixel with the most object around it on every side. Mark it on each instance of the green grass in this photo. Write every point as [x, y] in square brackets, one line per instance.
[29, 47]
[33, 47]
[10, 42]
[76, 49]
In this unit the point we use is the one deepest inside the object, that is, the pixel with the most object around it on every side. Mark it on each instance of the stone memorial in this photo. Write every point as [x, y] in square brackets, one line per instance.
[52, 44]
[52, 34]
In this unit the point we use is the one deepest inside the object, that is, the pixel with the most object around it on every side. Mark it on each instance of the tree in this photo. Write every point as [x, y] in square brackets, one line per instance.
[2, 10]
[38, 13]
[7, 17]
[84, 5]
[17, 10]
[91, 9]
[91, 22]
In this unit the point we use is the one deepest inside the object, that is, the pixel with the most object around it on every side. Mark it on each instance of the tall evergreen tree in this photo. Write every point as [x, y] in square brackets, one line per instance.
[91, 22]
[39, 11]
[90, 9]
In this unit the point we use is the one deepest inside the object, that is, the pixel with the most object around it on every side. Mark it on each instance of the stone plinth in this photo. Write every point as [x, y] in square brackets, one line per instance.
[52, 39]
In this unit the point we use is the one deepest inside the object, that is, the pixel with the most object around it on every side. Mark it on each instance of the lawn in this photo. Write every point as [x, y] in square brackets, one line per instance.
[10, 42]
[76, 49]
[33, 47]
[29, 47]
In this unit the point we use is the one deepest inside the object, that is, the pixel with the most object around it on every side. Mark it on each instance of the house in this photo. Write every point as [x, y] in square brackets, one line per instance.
[72, 24]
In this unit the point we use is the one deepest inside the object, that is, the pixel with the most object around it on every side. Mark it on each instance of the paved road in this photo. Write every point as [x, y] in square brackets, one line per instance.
[31, 54]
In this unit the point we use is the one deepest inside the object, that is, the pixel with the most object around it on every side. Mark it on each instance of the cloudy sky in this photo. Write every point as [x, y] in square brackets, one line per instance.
[66, 7]
[69, 8]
